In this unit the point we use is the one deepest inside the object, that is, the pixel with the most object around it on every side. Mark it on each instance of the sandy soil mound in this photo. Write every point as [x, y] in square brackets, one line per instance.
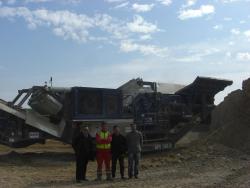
[231, 119]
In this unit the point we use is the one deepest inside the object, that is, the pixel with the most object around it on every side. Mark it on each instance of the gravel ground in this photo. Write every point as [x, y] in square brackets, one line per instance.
[199, 165]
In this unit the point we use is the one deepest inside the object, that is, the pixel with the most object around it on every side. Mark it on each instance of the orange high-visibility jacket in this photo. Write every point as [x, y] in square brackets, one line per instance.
[103, 140]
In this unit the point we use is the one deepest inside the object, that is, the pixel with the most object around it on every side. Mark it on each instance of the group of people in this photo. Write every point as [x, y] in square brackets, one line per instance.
[110, 148]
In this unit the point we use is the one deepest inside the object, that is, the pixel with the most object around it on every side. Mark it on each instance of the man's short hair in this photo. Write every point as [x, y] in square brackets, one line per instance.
[104, 123]
[115, 126]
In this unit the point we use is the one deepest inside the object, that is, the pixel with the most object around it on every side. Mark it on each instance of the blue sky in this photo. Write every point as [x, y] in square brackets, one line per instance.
[104, 43]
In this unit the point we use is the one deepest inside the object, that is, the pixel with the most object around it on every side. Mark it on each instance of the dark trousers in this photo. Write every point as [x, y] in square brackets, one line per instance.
[115, 158]
[133, 164]
[81, 167]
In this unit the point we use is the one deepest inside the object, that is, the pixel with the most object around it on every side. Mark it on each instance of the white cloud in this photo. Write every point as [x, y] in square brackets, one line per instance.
[194, 13]
[227, 19]
[122, 5]
[218, 27]
[189, 3]
[9, 2]
[228, 1]
[243, 56]
[116, 28]
[142, 7]
[72, 1]
[145, 37]
[63, 23]
[46, 1]
[165, 2]
[233, 1]
[139, 25]
[114, 1]
[78, 27]
[37, 1]
[128, 46]
[188, 59]
[195, 53]
[247, 34]
[235, 31]
[228, 54]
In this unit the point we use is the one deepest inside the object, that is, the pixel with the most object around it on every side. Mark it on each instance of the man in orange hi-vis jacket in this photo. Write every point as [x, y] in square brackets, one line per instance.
[103, 151]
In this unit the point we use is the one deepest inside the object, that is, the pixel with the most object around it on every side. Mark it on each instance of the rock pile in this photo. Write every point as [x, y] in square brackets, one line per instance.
[231, 119]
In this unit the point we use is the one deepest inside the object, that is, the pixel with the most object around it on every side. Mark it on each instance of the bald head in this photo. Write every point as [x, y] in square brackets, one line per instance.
[84, 130]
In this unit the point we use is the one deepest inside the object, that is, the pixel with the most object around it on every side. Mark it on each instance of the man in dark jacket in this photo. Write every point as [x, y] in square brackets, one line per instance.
[83, 147]
[118, 150]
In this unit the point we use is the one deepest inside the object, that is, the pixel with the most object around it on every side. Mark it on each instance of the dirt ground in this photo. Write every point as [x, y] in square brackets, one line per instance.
[196, 165]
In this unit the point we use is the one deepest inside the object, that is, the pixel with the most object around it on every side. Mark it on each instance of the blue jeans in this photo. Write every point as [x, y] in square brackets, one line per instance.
[133, 164]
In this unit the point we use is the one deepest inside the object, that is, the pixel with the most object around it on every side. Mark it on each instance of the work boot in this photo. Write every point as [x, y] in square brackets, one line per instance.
[99, 177]
[123, 178]
[109, 177]
[78, 181]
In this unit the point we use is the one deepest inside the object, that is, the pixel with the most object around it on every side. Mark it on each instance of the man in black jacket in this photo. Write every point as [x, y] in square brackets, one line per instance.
[118, 150]
[83, 147]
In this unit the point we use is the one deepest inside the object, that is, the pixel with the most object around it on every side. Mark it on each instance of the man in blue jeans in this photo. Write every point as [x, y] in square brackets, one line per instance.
[134, 144]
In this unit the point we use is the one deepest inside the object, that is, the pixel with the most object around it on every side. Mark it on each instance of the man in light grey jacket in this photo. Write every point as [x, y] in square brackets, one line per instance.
[134, 144]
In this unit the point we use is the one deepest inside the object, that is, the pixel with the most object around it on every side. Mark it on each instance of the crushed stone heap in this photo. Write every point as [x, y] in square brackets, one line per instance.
[231, 119]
